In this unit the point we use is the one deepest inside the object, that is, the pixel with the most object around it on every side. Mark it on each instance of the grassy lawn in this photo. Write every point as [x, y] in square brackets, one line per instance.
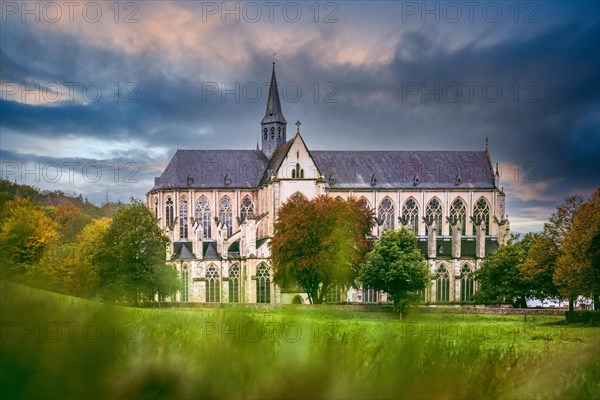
[65, 347]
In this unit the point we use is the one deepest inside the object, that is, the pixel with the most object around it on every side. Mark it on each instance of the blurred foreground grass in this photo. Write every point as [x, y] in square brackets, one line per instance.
[56, 346]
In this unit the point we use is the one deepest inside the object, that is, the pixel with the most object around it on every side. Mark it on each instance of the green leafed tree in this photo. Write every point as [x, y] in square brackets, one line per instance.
[396, 266]
[538, 269]
[319, 243]
[131, 258]
[501, 276]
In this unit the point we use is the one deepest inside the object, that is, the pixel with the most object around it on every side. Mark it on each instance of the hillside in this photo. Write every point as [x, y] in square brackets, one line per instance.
[10, 191]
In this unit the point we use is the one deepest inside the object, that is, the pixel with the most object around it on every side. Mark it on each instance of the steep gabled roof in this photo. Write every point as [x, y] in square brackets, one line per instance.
[219, 169]
[182, 251]
[210, 251]
[275, 161]
[405, 169]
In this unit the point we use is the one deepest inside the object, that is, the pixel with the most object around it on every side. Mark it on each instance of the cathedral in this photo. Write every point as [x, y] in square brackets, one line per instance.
[219, 208]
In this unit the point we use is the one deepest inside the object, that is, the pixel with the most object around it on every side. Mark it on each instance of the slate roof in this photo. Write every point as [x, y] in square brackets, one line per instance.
[210, 251]
[182, 251]
[398, 169]
[210, 168]
[275, 161]
[248, 169]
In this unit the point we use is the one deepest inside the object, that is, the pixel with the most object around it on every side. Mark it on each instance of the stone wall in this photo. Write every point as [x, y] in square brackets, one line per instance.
[368, 308]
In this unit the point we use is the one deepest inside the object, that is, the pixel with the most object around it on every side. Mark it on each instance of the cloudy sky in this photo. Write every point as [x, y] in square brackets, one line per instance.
[97, 96]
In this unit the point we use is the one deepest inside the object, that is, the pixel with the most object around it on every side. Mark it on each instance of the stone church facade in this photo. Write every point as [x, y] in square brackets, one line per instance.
[218, 207]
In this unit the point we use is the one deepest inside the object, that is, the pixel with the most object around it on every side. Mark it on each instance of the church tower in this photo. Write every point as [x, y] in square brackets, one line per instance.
[273, 124]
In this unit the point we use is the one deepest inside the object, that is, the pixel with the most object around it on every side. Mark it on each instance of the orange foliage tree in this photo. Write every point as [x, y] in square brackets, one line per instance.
[320, 243]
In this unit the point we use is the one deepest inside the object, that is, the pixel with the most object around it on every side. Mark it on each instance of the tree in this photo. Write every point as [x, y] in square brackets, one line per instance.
[540, 266]
[320, 243]
[538, 269]
[25, 235]
[593, 253]
[88, 251]
[396, 266]
[501, 276]
[70, 220]
[131, 257]
[575, 274]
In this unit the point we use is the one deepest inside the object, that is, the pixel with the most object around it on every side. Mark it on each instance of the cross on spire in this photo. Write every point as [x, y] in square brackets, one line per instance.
[298, 123]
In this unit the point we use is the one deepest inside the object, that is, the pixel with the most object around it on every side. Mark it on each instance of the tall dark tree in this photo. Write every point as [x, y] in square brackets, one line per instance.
[396, 266]
[539, 267]
[501, 275]
[575, 275]
[131, 258]
[319, 243]
[593, 253]
[541, 264]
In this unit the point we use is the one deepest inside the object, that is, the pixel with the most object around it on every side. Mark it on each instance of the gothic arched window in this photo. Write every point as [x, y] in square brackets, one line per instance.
[272, 133]
[386, 214]
[481, 212]
[265, 134]
[226, 214]
[467, 283]
[279, 133]
[203, 216]
[213, 284]
[185, 283]
[263, 284]
[156, 207]
[442, 285]
[247, 207]
[183, 218]
[410, 214]
[363, 202]
[234, 284]
[433, 212]
[458, 213]
[169, 216]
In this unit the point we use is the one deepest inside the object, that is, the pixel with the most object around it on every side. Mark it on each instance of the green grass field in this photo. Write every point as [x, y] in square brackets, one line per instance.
[56, 346]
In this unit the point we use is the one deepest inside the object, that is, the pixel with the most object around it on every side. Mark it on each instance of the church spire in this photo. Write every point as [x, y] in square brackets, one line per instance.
[273, 123]
[273, 113]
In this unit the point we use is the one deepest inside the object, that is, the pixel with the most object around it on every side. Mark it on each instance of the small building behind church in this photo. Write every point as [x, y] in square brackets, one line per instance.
[219, 208]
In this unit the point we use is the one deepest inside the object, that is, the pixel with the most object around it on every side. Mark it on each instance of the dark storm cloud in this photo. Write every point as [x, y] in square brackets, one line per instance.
[551, 129]
[547, 140]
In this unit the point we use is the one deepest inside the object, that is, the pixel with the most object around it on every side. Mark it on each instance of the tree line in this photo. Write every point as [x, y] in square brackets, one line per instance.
[560, 263]
[323, 243]
[64, 247]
